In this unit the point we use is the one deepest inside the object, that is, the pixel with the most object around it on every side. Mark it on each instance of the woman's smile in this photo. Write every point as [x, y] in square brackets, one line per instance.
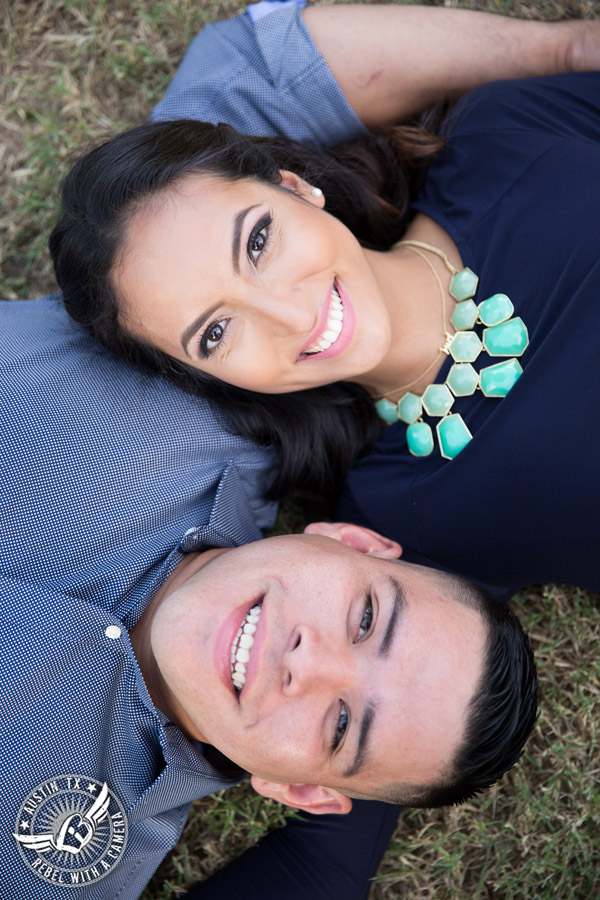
[335, 329]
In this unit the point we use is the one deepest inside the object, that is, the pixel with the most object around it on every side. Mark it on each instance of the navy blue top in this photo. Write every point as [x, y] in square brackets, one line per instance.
[517, 188]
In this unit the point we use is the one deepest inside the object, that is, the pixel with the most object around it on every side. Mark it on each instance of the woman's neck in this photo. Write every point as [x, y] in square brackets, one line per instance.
[419, 315]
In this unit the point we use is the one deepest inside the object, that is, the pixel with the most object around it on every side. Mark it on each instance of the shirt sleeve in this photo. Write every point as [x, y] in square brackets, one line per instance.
[262, 73]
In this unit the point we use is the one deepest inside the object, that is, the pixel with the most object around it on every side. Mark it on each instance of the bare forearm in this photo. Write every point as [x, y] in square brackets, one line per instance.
[392, 61]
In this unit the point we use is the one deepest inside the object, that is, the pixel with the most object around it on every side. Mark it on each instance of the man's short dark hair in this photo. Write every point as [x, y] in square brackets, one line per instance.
[500, 715]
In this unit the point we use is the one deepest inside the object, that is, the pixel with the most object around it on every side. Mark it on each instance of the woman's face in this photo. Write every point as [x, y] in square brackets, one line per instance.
[253, 284]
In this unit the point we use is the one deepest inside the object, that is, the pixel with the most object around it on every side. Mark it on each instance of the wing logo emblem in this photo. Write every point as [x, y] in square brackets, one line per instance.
[80, 828]
[71, 830]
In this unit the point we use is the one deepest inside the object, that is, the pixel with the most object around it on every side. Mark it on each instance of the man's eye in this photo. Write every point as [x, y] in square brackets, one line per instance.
[367, 618]
[213, 336]
[259, 238]
[342, 725]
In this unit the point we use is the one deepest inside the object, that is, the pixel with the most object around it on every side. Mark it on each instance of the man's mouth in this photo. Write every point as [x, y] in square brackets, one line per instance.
[333, 325]
[242, 645]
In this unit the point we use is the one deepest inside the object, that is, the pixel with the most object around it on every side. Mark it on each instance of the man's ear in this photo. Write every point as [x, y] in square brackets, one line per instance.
[292, 182]
[357, 537]
[310, 798]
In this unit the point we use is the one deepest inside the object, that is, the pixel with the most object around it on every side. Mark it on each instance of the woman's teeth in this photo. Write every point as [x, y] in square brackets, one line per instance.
[241, 646]
[333, 326]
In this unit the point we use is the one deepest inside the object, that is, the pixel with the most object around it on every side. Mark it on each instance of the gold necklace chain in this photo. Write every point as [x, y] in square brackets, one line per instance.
[414, 247]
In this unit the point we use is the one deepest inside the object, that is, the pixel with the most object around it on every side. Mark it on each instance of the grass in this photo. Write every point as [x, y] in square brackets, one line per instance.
[72, 70]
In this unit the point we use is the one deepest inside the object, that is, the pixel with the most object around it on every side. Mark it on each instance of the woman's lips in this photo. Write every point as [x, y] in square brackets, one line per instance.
[343, 337]
[321, 325]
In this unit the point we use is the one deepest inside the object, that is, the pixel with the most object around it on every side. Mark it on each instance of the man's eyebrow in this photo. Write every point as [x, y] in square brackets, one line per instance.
[362, 749]
[197, 324]
[398, 606]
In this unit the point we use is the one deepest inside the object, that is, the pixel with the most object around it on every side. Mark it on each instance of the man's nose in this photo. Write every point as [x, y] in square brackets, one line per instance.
[314, 661]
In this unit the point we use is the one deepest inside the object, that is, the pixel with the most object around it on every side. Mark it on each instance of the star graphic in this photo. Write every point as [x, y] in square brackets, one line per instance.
[24, 824]
[92, 787]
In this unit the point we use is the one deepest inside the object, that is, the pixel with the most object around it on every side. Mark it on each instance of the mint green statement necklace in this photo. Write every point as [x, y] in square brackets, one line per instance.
[502, 336]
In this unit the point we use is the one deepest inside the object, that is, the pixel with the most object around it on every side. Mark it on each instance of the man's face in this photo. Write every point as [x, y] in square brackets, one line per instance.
[359, 675]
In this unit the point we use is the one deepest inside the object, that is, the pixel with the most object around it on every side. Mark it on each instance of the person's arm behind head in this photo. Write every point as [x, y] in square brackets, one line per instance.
[393, 61]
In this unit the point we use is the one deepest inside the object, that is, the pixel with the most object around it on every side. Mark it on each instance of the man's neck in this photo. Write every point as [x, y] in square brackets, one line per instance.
[141, 638]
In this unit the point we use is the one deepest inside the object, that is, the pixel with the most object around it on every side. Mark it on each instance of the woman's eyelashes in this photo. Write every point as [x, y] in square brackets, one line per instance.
[212, 337]
[258, 241]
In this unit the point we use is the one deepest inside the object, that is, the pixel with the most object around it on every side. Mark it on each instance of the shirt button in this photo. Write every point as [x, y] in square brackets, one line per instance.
[113, 631]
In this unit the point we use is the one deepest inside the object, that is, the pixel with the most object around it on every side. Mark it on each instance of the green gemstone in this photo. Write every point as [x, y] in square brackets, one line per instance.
[437, 399]
[409, 408]
[497, 308]
[419, 438]
[453, 436]
[464, 284]
[387, 410]
[497, 380]
[507, 339]
[464, 315]
[462, 379]
[465, 347]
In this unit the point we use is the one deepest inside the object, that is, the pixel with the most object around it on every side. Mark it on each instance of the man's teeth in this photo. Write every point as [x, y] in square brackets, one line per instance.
[333, 326]
[241, 646]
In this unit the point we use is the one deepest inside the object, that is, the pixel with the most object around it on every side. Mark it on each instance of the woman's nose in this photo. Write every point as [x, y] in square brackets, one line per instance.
[313, 662]
[284, 308]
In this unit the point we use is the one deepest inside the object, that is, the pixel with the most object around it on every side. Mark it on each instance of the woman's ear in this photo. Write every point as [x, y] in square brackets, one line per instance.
[310, 798]
[363, 539]
[292, 182]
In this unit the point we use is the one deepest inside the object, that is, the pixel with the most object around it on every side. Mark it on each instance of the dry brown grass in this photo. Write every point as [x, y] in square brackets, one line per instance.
[71, 72]
[76, 69]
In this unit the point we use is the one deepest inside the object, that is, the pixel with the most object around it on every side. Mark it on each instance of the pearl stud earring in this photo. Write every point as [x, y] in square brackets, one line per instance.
[317, 192]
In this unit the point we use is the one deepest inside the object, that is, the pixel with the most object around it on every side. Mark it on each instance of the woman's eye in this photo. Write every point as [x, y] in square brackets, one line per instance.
[367, 618]
[259, 238]
[213, 336]
[342, 725]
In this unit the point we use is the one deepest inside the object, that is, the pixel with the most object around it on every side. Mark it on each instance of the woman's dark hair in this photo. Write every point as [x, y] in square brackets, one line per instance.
[368, 184]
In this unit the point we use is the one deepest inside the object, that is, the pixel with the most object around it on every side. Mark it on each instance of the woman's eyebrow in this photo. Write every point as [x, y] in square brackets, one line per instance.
[237, 236]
